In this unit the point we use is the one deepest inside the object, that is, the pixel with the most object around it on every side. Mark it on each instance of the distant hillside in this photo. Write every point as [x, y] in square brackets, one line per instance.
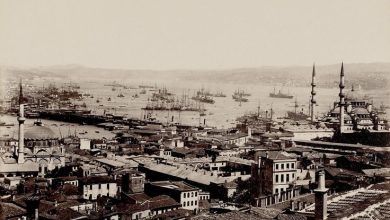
[369, 76]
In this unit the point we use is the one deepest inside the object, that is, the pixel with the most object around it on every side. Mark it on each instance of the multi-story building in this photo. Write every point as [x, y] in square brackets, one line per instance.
[185, 194]
[275, 176]
[94, 187]
[133, 182]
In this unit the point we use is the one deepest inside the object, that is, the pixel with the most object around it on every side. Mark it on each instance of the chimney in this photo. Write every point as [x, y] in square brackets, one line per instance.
[249, 132]
[259, 162]
[321, 198]
[36, 214]
[369, 107]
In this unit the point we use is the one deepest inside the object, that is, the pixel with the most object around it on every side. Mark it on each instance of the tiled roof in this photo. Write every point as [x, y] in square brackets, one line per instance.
[9, 210]
[139, 197]
[277, 155]
[175, 185]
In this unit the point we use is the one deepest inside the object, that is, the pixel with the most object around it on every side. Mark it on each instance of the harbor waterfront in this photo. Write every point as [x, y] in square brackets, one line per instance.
[189, 110]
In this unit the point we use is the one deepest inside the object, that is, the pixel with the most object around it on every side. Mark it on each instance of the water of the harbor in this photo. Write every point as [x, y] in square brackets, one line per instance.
[221, 114]
[60, 129]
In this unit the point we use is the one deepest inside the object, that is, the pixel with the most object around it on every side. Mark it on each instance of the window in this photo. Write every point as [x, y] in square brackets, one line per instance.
[288, 166]
[185, 194]
[293, 176]
[192, 194]
[282, 166]
[184, 204]
[196, 193]
[276, 190]
[188, 203]
[281, 178]
[196, 202]
[292, 165]
[108, 186]
[192, 203]
[276, 178]
[90, 187]
[276, 166]
[100, 186]
[287, 177]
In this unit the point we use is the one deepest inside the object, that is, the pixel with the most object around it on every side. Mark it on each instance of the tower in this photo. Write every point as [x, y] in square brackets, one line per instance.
[341, 95]
[313, 94]
[21, 120]
[320, 195]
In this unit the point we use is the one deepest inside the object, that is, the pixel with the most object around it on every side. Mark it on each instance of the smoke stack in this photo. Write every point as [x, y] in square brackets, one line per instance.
[321, 198]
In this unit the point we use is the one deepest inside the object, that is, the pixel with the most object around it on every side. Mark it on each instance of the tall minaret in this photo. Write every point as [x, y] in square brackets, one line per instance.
[21, 120]
[341, 95]
[313, 94]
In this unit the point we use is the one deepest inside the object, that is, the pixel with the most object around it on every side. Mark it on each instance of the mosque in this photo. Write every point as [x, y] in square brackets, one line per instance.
[36, 152]
[355, 120]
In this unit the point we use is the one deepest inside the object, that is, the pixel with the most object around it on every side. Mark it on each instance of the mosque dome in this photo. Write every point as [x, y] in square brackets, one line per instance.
[39, 133]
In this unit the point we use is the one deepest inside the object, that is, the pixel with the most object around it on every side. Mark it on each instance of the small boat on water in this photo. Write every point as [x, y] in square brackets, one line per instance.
[97, 131]
[6, 124]
[121, 95]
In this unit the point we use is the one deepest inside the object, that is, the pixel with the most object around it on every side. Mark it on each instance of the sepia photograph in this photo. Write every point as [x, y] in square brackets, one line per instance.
[195, 110]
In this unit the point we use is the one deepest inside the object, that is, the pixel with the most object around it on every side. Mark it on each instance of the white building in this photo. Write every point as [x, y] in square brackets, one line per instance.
[95, 186]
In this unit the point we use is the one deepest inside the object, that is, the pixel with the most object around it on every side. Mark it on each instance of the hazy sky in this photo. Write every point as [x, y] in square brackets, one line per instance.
[193, 34]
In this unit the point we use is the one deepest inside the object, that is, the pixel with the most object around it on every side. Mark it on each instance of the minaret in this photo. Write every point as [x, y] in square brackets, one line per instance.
[320, 195]
[313, 94]
[21, 120]
[341, 95]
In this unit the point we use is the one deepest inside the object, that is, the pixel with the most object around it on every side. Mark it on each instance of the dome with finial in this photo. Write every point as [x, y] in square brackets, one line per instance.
[37, 132]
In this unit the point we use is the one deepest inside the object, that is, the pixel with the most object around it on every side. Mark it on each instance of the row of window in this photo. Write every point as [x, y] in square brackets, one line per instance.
[189, 195]
[277, 190]
[190, 204]
[282, 165]
[203, 197]
[100, 186]
[287, 175]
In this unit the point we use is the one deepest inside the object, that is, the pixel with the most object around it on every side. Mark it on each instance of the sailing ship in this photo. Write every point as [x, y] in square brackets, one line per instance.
[238, 96]
[219, 94]
[280, 95]
[203, 96]
[297, 116]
